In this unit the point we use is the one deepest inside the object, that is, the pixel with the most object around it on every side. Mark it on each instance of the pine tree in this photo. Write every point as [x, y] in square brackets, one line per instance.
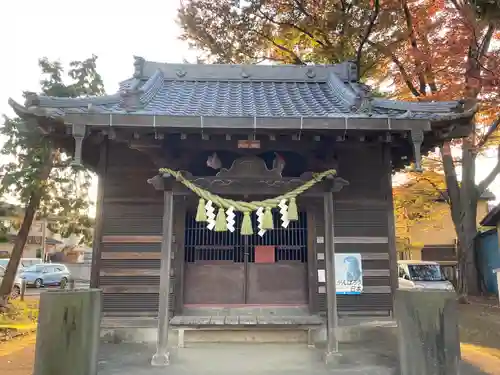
[39, 174]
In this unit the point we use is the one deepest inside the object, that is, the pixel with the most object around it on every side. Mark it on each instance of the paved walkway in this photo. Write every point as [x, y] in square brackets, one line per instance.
[222, 359]
[246, 359]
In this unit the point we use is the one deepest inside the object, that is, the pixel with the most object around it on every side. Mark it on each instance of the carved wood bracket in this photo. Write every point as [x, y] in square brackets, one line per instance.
[248, 176]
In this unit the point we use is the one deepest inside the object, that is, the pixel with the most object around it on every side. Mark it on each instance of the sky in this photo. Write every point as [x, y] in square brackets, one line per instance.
[113, 30]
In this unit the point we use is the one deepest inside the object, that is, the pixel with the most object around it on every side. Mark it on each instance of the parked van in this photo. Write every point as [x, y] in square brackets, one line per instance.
[419, 274]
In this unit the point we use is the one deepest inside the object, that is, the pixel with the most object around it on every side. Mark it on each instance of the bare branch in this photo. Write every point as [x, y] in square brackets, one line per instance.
[445, 197]
[452, 186]
[387, 52]
[492, 129]
[302, 8]
[413, 43]
[366, 35]
[295, 57]
[485, 43]
[292, 25]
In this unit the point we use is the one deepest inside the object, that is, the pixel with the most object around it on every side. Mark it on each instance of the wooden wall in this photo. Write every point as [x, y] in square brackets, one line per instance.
[128, 258]
[127, 251]
[363, 223]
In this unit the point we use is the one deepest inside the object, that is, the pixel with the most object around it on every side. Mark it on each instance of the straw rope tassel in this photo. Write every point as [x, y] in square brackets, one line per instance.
[246, 207]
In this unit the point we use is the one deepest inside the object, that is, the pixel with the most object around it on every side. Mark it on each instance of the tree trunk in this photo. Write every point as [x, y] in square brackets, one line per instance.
[463, 199]
[468, 205]
[22, 235]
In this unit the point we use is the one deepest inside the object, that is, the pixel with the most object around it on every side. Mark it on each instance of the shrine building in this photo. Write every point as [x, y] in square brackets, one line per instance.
[184, 241]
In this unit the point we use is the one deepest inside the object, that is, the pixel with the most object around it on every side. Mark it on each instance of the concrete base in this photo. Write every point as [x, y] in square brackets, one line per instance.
[243, 359]
[243, 336]
[332, 358]
[160, 360]
[129, 335]
[350, 332]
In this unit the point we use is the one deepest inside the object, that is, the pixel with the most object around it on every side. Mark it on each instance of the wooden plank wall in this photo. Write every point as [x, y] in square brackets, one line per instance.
[362, 224]
[129, 248]
[127, 264]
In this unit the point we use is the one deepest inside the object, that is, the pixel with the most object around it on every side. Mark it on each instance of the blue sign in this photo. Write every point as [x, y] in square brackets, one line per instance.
[348, 274]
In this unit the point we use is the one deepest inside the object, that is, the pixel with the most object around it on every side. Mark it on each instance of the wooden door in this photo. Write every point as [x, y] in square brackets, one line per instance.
[277, 264]
[214, 272]
[224, 268]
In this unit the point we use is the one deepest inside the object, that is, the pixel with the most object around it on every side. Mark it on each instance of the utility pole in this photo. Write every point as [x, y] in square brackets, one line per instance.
[44, 239]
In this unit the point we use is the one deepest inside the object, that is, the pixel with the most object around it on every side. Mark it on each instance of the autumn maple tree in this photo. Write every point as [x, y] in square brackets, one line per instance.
[422, 50]
[449, 53]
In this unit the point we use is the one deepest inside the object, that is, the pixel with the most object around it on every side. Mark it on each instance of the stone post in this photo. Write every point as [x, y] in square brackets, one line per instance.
[427, 332]
[67, 339]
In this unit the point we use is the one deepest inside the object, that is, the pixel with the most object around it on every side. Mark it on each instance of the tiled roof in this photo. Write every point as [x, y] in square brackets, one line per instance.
[245, 91]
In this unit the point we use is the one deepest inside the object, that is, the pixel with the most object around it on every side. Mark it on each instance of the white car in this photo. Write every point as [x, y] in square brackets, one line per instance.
[16, 289]
[420, 274]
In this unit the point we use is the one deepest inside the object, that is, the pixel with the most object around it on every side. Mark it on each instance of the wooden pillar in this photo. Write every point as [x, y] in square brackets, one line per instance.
[96, 245]
[331, 289]
[161, 357]
[393, 254]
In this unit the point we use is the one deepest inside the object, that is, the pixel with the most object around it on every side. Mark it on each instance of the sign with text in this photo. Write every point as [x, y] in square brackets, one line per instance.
[244, 143]
[264, 254]
[348, 274]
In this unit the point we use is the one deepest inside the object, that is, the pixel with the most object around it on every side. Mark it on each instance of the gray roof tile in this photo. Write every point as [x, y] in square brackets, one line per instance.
[266, 99]
[245, 91]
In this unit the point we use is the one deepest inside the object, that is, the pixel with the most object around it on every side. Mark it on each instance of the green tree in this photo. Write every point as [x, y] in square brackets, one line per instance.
[426, 50]
[39, 174]
[287, 31]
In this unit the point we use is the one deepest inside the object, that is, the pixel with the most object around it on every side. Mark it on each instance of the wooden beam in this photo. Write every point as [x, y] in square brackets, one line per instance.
[131, 239]
[130, 255]
[130, 272]
[130, 289]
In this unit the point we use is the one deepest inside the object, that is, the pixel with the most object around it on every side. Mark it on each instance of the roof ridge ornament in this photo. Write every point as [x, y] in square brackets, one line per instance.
[139, 63]
[131, 99]
[31, 99]
[310, 73]
[352, 71]
[363, 103]
[180, 73]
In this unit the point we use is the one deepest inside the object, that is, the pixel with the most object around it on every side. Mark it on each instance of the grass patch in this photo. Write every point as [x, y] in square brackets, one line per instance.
[19, 314]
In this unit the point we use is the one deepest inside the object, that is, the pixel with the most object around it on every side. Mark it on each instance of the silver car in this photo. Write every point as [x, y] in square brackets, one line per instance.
[46, 274]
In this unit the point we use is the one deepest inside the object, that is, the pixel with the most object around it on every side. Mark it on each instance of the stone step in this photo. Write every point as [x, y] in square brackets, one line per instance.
[247, 310]
[247, 321]
[243, 336]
